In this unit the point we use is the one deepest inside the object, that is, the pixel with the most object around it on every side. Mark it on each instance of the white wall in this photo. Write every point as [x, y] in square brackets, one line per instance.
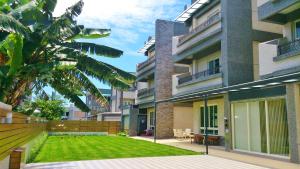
[266, 64]
[183, 117]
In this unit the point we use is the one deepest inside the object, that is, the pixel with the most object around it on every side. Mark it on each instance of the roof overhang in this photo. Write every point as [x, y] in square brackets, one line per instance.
[260, 84]
[147, 45]
[185, 15]
[279, 11]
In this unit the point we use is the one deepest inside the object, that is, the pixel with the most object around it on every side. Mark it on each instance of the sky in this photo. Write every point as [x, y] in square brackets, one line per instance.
[131, 22]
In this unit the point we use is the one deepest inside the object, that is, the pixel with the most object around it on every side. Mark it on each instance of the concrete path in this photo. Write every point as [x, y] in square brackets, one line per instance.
[177, 162]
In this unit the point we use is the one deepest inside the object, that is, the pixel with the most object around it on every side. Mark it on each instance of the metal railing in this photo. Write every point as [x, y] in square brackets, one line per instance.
[203, 74]
[289, 47]
[146, 63]
[145, 92]
[212, 20]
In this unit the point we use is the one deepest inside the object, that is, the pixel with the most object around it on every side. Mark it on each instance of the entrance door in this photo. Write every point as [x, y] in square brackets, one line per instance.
[142, 124]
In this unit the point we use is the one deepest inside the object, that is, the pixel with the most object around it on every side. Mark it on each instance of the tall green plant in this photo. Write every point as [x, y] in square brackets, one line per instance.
[37, 50]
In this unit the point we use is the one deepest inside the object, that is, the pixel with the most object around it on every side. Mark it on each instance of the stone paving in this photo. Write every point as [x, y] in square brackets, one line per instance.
[175, 162]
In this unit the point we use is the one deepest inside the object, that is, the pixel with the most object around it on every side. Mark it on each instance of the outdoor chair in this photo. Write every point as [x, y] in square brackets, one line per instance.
[178, 133]
[189, 134]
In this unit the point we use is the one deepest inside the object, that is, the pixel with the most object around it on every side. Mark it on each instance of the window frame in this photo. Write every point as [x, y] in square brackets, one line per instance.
[151, 120]
[295, 30]
[211, 129]
[213, 70]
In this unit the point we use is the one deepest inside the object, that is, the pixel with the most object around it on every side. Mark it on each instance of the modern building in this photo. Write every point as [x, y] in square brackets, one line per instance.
[154, 77]
[246, 73]
[73, 113]
[95, 106]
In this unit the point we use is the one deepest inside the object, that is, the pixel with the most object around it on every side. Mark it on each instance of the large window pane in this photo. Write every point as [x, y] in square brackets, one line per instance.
[202, 117]
[211, 116]
[216, 116]
[297, 30]
[254, 126]
[263, 130]
[278, 127]
[240, 126]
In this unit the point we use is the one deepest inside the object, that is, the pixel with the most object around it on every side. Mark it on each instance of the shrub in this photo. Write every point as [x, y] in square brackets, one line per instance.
[36, 146]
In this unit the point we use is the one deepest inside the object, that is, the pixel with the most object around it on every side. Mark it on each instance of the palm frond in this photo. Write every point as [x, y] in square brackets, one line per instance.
[74, 10]
[89, 33]
[49, 5]
[83, 81]
[94, 49]
[63, 85]
[102, 72]
[10, 24]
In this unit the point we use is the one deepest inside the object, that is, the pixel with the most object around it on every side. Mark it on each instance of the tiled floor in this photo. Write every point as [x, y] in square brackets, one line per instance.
[219, 151]
[178, 162]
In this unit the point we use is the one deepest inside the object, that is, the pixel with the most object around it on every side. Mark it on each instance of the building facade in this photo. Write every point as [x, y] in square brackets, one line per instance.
[244, 61]
[154, 78]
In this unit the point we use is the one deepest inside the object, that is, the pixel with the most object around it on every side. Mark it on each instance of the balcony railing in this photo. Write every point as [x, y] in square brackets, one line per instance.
[145, 92]
[289, 47]
[199, 75]
[146, 63]
[209, 22]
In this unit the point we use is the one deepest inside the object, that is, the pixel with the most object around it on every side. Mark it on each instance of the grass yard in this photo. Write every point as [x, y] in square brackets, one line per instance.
[75, 148]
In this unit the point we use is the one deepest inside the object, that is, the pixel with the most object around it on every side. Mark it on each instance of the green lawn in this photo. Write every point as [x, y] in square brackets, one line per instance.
[74, 148]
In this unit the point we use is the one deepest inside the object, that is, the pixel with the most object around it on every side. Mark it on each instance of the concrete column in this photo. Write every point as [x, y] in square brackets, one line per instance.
[227, 123]
[164, 31]
[236, 45]
[293, 114]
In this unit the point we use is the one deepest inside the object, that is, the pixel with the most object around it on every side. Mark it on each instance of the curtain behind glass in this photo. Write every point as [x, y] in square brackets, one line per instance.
[278, 127]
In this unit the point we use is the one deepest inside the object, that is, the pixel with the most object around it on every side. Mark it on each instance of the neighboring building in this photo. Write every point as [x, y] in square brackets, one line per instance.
[73, 113]
[95, 106]
[121, 98]
[154, 76]
[116, 98]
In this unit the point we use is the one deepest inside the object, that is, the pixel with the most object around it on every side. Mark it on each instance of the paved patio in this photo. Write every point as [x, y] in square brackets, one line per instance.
[178, 162]
[218, 151]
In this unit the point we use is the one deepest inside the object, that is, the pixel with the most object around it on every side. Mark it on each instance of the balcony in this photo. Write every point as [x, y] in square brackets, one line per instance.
[281, 56]
[199, 75]
[187, 83]
[272, 11]
[288, 48]
[201, 28]
[203, 39]
[145, 93]
[145, 69]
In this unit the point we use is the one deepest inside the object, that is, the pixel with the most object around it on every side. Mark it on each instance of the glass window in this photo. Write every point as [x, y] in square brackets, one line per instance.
[151, 119]
[212, 120]
[214, 67]
[297, 30]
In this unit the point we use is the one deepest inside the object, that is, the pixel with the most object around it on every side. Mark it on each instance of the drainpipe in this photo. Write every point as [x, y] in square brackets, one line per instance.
[206, 123]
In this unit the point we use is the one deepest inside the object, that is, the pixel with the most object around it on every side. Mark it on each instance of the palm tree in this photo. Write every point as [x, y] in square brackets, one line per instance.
[37, 50]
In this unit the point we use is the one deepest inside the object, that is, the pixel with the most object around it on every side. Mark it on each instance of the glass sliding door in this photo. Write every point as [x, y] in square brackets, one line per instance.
[261, 126]
[278, 127]
[254, 127]
[241, 130]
